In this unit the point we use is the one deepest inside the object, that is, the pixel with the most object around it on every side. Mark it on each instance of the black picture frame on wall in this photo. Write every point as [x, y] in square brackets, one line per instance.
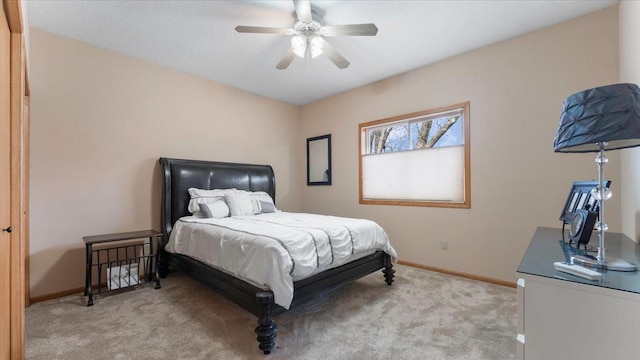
[580, 198]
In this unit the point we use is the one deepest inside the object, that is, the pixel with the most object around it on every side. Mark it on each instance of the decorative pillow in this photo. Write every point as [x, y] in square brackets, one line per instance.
[200, 196]
[217, 209]
[266, 207]
[204, 209]
[260, 196]
[239, 203]
[195, 203]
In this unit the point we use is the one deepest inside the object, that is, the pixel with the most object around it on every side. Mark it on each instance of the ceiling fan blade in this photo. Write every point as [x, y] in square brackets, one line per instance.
[286, 60]
[262, 30]
[334, 56]
[303, 10]
[350, 30]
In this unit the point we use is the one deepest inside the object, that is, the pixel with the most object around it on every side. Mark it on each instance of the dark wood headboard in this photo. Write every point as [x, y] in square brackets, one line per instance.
[179, 175]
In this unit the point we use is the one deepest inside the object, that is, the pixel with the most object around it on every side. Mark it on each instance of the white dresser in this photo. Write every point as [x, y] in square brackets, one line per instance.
[562, 316]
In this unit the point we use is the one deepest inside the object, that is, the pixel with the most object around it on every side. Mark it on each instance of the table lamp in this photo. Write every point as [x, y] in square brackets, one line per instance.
[606, 117]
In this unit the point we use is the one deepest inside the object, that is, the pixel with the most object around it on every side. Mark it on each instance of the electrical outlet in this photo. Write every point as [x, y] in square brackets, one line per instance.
[444, 245]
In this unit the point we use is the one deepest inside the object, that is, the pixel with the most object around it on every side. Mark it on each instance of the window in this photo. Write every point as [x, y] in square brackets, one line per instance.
[418, 159]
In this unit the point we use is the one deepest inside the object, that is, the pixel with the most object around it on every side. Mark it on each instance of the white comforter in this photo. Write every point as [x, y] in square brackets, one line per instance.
[274, 250]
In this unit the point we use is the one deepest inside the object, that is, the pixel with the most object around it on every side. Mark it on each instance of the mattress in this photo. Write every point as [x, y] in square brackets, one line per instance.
[273, 250]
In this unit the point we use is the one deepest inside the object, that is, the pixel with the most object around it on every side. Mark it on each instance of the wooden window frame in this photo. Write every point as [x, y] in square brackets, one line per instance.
[465, 204]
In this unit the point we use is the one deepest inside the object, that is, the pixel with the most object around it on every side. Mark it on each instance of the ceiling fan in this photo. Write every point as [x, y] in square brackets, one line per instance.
[308, 34]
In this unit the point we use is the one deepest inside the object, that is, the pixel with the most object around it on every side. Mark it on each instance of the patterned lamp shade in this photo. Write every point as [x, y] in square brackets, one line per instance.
[606, 114]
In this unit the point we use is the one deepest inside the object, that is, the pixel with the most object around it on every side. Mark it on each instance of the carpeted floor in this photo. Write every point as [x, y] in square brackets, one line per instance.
[424, 315]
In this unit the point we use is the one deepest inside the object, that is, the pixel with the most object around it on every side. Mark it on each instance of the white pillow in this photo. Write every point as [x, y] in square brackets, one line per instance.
[217, 209]
[239, 203]
[260, 195]
[202, 196]
[257, 197]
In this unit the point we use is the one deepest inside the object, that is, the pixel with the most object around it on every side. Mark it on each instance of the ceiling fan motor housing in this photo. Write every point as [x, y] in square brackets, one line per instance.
[307, 29]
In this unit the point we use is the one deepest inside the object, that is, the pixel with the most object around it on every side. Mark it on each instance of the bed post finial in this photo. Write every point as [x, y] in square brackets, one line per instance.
[266, 329]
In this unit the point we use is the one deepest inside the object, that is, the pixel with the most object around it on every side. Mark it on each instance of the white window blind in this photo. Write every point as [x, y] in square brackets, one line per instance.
[435, 174]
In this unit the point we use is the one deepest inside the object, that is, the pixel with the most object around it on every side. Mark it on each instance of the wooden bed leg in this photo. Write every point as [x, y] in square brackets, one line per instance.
[266, 329]
[388, 271]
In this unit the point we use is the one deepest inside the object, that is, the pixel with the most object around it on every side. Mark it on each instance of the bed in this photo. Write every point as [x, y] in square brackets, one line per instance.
[179, 176]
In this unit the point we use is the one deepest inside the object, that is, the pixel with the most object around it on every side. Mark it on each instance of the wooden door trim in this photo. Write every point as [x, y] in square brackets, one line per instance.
[5, 163]
[14, 15]
[19, 185]
[27, 180]
[18, 188]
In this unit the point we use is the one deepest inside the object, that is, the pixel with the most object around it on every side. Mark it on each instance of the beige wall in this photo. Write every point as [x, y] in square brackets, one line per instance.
[516, 89]
[99, 123]
[629, 13]
[100, 120]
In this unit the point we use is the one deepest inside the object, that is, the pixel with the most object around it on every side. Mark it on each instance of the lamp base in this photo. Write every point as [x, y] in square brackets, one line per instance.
[609, 264]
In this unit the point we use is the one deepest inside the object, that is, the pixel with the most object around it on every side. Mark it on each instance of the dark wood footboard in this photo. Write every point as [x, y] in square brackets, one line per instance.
[260, 302]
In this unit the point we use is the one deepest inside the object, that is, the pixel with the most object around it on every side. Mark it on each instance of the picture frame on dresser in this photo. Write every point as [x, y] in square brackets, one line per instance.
[580, 198]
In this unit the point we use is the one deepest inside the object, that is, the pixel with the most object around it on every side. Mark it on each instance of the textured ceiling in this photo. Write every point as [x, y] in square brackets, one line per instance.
[198, 37]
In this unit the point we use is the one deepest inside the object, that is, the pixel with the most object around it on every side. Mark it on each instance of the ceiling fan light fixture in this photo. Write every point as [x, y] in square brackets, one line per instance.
[307, 34]
[299, 45]
[316, 46]
[302, 43]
